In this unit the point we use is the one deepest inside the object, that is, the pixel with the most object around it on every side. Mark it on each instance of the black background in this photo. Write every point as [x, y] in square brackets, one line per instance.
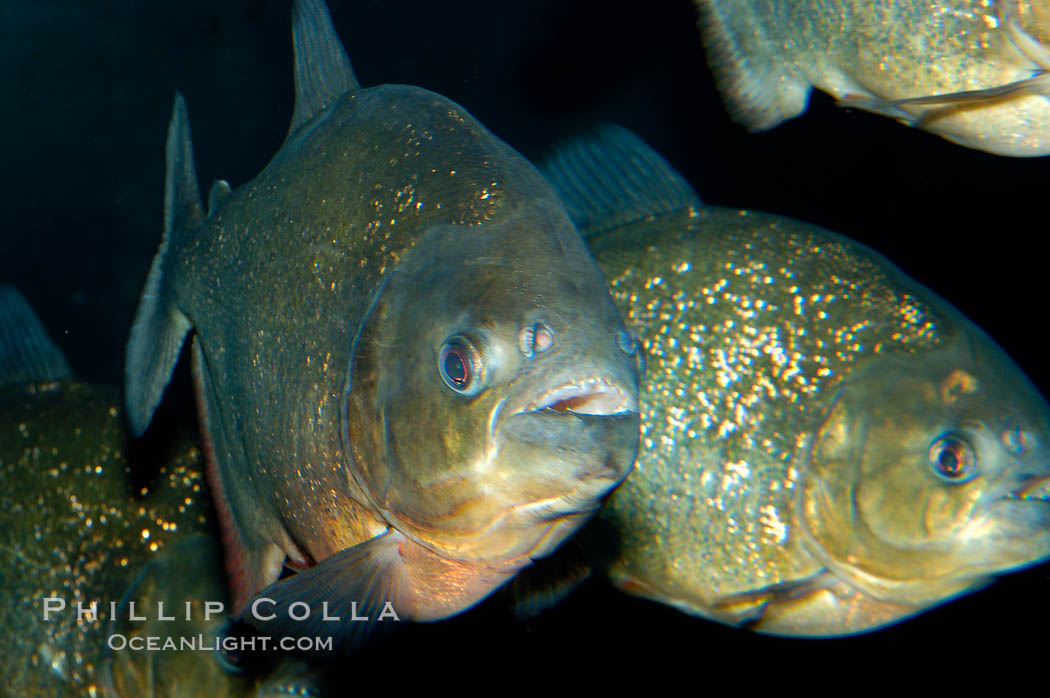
[86, 95]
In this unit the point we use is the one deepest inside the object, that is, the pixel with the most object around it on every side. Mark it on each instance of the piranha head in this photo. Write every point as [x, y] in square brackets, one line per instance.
[930, 475]
[493, 394]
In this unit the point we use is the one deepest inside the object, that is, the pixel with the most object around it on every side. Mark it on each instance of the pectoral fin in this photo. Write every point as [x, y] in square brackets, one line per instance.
[367, 587]
[950, 102]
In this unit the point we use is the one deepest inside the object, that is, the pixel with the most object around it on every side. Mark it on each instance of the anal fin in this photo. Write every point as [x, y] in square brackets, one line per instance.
[548, 581]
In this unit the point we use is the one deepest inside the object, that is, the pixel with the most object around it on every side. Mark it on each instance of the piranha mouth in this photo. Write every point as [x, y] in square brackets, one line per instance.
[593, 396]
[1034, 487]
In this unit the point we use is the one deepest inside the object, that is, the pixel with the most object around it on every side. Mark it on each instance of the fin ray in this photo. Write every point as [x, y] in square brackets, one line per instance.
[610, 177]
[361, 578]
[27, 353]
[322, 68]
[758, 90]
[160, 328]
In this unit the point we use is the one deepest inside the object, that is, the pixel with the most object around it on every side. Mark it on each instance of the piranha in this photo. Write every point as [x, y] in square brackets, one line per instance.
[972, 71]
[827, 446]
[411, 376]
[72, 529]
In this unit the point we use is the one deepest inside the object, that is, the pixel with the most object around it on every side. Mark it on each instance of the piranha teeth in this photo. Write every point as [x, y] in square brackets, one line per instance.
[593, 396]
[1035, 487]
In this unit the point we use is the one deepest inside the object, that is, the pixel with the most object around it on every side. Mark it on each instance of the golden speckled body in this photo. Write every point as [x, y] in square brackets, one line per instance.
[741, 369]
[795, 383]
[769, 53]
[73, 529]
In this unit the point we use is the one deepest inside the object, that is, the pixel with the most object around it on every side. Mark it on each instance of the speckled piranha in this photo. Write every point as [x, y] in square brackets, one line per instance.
[827, 446]
[412, 378]
[73, 530]
[973, 71]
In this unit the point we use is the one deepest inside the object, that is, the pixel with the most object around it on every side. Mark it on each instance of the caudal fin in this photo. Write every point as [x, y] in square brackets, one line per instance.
[160, 327]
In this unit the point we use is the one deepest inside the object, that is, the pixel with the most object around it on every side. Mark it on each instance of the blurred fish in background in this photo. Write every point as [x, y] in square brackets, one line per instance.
[74, 530]
[972, 71]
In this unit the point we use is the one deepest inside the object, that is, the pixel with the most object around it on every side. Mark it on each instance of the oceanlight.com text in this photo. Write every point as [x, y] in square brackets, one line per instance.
[227, 643]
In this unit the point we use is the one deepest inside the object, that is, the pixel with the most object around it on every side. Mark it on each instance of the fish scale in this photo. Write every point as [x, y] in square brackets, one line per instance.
[827, 446]
[769, 54]
[772, 335]
[369, 410]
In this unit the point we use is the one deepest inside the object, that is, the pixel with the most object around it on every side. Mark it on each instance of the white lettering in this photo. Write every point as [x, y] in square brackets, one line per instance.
[50, 605]
[131, 612]
[255, 609]
[211, 607]
[306, 609]
[160, 612]
[91, 612]
[388, 611]
[324, 612]
[353, 612]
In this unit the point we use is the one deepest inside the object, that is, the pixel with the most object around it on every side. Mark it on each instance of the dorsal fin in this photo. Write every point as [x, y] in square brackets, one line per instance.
[610, 177]
[27, 354]
[322, 68]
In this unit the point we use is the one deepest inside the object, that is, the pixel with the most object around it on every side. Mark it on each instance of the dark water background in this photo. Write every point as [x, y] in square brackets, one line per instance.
[86, 90]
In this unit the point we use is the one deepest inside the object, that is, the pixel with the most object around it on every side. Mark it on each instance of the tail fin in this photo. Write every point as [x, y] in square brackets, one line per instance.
[160, 328]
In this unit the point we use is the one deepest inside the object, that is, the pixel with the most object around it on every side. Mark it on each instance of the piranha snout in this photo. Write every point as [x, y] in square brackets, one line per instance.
[535, 338]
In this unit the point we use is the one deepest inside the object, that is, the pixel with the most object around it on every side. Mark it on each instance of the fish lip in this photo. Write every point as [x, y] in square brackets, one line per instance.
[1030, 485]
[594, 396]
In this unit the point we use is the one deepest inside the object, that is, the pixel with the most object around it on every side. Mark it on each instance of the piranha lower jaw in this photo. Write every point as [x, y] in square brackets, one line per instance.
[592, 396]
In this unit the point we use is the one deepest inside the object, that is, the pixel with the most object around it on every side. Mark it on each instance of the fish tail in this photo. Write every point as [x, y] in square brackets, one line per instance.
[755, 82]
[160, 328]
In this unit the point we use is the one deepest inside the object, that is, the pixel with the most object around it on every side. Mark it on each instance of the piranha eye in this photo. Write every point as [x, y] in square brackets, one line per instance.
[953, 458]
[460, 366]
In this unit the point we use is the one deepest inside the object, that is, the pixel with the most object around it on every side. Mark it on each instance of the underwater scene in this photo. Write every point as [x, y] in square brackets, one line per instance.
[554, 334]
